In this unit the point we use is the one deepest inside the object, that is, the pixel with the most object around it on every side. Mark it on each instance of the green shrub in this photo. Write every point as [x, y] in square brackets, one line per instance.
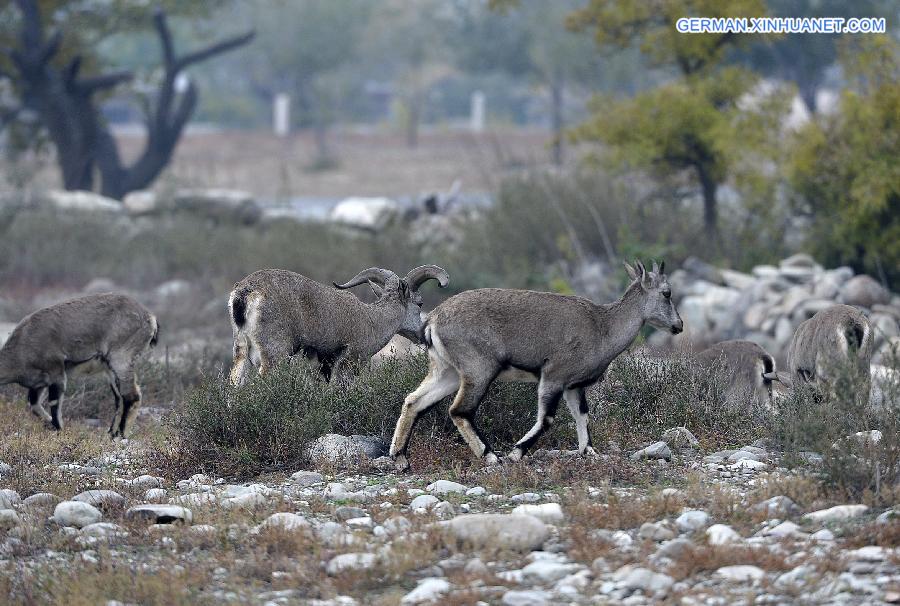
[830, 420]
[643, 396]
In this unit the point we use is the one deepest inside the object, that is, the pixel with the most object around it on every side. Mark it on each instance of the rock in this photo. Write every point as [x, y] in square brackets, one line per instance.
[428, 590]
[680, 437]
[692, 520]
[350, 561]
[476, 568]
[870, 553]
[795, 578]
[397, 525]
[283, 521]
[41, 499]
[528, 597]
[160, 514]
[633, 578]
[345, 451]
[863, 291]
[9, 519]
[345, 512]
[526, 497]
[741, 573]
[76, 513]
[886, 517]
[305, 479]
[142, 202]
[102, 529]
[224, 205]
[444, 510]
[720, 534]
[445, 487]
[744, 455]
[360, 523]
[550, 513]
[83, 201]
[424, 501]
[476, 491]
[748, 465]
[146, 482]
[822, 535]
[674, 549]
[657, 450]
[8, 498]
[370, 214]
[837, 513]
[497, 532]
[785, 530]
[702, 270]
[106, 500]
[777, 507]
[155, 495]
[656, 531]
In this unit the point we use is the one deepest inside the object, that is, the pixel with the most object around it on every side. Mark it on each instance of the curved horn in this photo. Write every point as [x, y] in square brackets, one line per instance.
[419, 275]
[374, 274]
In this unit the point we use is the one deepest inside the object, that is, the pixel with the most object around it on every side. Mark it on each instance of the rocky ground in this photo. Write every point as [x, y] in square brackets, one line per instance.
[669, 523]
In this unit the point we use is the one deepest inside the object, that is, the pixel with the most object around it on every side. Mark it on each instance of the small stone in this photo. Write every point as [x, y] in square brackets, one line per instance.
[497, 532]
[9, 498]
[544, 572]
[721, 534]
[105, 500]
[444, 509]
[160, 514]
[361, 523]
[526, 497]
[777, 507]
[445, 487]
[692, 520]
[657, 450]
[305, 479]
[837, 513]
[345, 512]
[633, 577]
[823, 535]
[741, 573]
[283, 521]
[41, 499]
[550, 513]
[76, 513]
[102, 529]
[424, 501]
[476, 491]
[155, 495]
[680, 437]
[350, 561]
[428, 590]
[785, 529]
[655, 531]
[528, 597]
[476, 568]
[9, 519]
[146, 482]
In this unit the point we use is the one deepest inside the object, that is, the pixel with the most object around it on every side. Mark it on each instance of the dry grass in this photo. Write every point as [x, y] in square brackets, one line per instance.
[701, 558]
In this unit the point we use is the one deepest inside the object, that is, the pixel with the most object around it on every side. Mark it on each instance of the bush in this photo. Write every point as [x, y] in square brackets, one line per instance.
[643, 396]
[829, 420]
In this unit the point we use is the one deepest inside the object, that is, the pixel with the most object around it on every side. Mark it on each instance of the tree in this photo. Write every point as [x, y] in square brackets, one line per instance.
[304, 42]
[45, 71]
[529, 39]
[845, 168]
[696, 122]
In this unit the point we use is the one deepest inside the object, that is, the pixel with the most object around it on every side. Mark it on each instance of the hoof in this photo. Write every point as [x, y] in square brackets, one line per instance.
[515, 455]
[491, 459]
[401, 463]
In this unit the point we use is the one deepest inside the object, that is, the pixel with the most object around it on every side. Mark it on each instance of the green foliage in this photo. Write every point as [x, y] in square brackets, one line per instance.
[644, 396]
[697, 122]
[845, 168]
[826, 420]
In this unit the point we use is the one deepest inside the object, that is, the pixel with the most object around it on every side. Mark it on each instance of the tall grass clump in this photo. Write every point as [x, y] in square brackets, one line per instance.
[859, 442]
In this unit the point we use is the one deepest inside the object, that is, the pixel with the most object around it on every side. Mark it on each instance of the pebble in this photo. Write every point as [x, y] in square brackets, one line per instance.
[632, 577]
[692, 520]
[430, 589]
[528, 597]
[424, 501]
[350, 561]
[305, 479]
[76, 513]
[837, 513]
[491, 531]
[741, 573]
[476, 491]
[443, 487]
[657, 450]
[720, 534]
[551, 513]
[526, 497]
[284, 521]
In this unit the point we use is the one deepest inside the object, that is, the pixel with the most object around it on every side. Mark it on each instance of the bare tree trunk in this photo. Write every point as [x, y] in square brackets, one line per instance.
[64, 101]
[558, 121]
[710, 202]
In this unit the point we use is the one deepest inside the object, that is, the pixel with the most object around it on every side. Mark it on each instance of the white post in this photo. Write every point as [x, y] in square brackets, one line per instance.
[476, 117]
[281, 115]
